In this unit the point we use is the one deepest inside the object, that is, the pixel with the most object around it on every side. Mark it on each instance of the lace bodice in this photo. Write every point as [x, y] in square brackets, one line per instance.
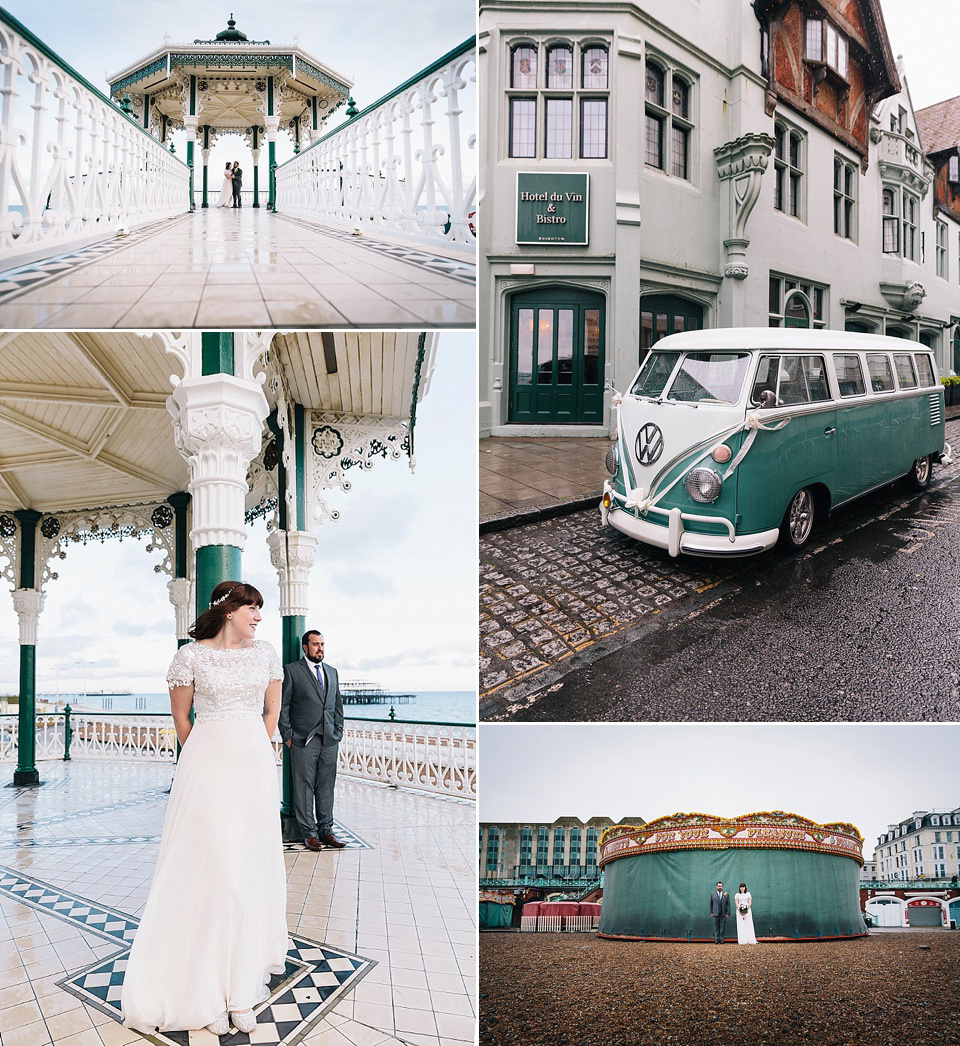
[228, 684]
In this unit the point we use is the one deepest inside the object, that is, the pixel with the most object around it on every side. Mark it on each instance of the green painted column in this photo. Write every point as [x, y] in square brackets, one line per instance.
[179, 502]
[27, 772]
[204, 201]
[216, 352]
[190, 165]
[215, 563]
[272, 164]
[27, 602]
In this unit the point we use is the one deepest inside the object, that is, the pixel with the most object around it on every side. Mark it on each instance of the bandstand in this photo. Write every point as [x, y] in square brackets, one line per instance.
[802, 876]
[185, 438]
[231, 85]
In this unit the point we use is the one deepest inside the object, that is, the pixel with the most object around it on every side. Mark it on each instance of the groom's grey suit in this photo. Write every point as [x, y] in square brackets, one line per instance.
[719, 909]
[311, 716]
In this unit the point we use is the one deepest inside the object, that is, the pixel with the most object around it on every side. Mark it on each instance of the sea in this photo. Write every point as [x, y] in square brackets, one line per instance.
[428, 706]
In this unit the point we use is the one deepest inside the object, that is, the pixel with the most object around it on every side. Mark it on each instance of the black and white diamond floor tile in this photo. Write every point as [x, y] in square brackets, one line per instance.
[97, 918]
[316, 977]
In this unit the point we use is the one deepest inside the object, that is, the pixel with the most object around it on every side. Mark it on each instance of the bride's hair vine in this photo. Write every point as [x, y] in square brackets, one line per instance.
[217, 602]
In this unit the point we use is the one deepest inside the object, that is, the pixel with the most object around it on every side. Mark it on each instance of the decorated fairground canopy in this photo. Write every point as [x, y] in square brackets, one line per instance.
[231, 85]
[186, 438]
[803, 877]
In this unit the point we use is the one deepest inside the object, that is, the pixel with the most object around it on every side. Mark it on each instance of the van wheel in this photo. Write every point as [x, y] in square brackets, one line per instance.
[797, 522]
[918, 478]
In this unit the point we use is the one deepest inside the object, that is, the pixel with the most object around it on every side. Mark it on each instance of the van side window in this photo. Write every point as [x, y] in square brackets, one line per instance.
[849, 375]
[881, 373]
[925, 369]
[905, 372]
[792, 379]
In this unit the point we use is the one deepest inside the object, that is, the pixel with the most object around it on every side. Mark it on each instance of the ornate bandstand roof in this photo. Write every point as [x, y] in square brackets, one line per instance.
[84, 421]
[232, 80]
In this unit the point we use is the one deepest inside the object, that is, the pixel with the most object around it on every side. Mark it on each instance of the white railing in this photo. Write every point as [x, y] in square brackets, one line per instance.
[528, 923]
[73, 167]
[549, 923]
[582, 923]
[431, 757]
[403, 166]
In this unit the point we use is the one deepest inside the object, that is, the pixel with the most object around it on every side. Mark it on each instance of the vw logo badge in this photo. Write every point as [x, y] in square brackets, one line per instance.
[649, 444]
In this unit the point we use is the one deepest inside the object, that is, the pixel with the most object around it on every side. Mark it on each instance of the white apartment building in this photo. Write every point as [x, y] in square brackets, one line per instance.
[925, 845]
[662, 165]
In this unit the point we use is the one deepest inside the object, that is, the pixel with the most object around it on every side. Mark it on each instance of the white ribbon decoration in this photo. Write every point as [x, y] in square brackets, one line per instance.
[752, 425]
[642, 500]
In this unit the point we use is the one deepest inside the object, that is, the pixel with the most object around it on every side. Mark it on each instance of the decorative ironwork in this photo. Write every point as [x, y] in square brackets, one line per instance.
[271, 455]
[82, 167]
[105, 524]
[321, 77]
[143, 73]
[327, 441]
[382, 171]
[8, 526]
[162, 516]
[264, 509]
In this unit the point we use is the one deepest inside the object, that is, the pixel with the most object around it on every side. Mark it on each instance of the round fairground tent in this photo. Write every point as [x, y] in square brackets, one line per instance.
[496, 909]
[803, 877]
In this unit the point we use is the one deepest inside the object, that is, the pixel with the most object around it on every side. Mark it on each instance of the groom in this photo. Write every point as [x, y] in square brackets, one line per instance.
[311, 725]
[719, 909]
[237, 183]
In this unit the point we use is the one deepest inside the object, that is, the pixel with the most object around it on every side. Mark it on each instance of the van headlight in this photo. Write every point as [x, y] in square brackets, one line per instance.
[611, 460]
[703, 485]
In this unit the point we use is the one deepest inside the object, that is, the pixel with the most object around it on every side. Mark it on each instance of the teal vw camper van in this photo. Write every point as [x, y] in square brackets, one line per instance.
[731, 440]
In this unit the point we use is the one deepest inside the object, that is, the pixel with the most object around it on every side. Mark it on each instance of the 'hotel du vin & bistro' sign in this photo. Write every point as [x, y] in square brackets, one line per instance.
[552, 208]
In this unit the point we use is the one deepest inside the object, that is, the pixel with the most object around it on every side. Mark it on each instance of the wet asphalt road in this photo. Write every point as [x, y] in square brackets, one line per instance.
[863, 626]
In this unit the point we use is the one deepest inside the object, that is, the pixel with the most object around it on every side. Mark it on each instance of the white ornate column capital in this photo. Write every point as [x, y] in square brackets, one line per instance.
[217, 427]
[292, 554]
[181, 596]
[28, 603]
[273, 126]
[190, 124]
[741, 164]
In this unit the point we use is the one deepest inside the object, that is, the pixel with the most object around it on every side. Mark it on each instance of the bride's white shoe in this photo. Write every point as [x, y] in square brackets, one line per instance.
[244, 1020]
[221, 1025]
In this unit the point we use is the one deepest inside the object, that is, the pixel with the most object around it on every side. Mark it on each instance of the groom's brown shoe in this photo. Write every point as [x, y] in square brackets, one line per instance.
[332, 840]
[313, 843]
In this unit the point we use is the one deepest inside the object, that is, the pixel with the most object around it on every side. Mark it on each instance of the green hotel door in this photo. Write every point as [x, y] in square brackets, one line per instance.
[556, 357]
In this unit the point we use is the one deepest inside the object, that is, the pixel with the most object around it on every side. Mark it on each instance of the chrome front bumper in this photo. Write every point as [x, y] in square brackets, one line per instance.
[675, 539]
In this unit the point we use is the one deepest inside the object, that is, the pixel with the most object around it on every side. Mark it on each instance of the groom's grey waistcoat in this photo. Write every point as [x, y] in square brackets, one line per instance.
[305, 713]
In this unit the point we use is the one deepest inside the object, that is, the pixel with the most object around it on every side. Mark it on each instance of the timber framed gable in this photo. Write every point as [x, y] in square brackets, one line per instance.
[829, 60]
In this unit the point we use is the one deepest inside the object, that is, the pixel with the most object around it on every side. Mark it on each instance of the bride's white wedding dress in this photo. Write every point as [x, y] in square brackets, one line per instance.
[214, 927]
[226, 193]
[745, 934]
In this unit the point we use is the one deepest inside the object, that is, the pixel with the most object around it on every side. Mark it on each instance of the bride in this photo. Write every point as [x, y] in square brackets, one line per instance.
[214, 929]
[226, 193]
[743, 903]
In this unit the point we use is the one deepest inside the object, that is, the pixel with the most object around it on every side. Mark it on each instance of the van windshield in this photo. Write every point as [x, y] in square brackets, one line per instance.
[702, 377]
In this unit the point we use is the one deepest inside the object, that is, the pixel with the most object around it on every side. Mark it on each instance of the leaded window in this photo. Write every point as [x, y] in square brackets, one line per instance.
[943, 242]
[844, 198]
[551, 115]
[668, 119]
[788, 162]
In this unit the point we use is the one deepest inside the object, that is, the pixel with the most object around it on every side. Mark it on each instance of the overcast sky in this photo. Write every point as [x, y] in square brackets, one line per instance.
[394, 587]
[377, 44]
[924, 32]
[869, 775]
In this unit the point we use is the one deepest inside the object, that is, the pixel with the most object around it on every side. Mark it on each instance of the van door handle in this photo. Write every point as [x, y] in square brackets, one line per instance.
[830, 432]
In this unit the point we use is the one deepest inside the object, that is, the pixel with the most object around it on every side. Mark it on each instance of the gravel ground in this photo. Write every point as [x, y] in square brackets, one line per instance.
[883, 990]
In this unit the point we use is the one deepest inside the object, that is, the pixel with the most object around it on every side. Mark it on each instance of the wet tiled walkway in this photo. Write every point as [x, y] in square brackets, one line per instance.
[383, 931]
[246, 268]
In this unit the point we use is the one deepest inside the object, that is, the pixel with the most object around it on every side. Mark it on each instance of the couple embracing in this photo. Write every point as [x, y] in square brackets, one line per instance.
[232, 183]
